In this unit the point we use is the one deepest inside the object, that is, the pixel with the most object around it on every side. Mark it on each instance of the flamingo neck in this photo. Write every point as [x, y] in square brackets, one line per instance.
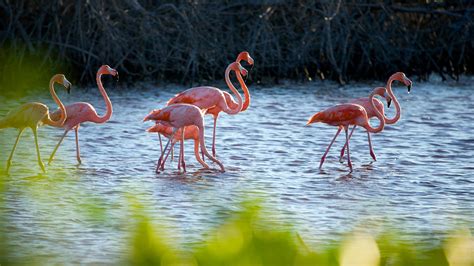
[108, 103]
[246, 93]
[203, 145]
[379, 116]
[234, 90]
[398, 108]
[63, 114]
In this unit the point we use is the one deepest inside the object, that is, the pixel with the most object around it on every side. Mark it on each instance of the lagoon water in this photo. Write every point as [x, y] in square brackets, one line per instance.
[421, 184]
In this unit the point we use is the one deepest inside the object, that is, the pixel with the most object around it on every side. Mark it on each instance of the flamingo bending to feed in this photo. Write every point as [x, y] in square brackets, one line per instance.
[214, 100]
[365, 102]
[35, 114]
[344, 115]
[190, 132]
[81, 112]
[179, 116]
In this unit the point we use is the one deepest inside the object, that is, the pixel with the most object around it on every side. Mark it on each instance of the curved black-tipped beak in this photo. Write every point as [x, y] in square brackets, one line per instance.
[117, 77]
[409, 88]
[68, 89]
[389, 102]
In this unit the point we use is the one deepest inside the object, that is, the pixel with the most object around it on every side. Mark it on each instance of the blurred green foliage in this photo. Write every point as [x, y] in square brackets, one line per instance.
[22, 71]
[248, 238]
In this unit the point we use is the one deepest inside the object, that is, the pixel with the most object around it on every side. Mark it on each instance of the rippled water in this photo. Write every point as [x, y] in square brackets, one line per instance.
[421, 183]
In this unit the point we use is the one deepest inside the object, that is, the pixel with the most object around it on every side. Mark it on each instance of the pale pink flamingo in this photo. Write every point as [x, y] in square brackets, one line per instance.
[214, 100]
[191, 132]
[81, 112]
[365, 102]
[179, 116]
[35, 114]
[344, 115]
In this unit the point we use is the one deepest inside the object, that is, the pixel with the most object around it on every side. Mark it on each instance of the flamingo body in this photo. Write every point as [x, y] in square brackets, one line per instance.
[341, 115]
[26, 115]
[179, 116]
[78, 113]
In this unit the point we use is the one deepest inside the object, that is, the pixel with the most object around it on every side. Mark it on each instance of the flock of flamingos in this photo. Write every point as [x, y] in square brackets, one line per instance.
[183, 116]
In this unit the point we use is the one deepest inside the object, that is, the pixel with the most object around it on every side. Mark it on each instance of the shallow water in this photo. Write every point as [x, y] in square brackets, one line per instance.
[421, 183]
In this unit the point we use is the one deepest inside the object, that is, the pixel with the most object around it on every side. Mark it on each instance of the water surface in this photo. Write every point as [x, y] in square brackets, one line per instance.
[422, 182]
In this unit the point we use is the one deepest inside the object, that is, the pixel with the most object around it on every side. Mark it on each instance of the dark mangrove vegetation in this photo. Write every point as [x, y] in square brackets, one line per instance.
[186, 41]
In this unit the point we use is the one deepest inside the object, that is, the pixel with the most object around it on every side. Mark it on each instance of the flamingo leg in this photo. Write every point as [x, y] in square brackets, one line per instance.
[167, 155]
[179, 159]
[9, 162]
[160, 160]
[346, 129]
[182, 149]
[344, 147]
[40, 162]
[172, 153]
[329, 147]
[372, 153]
[78, 151]
[214, 137]
[161, 143]
[57, 146]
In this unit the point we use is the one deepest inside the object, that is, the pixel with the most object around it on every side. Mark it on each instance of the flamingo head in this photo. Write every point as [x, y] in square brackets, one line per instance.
[159, 128]
[386, 96]
[61, 79]
[107, 70]
[238, 68]
[400, 76]
[152, 115]
[246, 57]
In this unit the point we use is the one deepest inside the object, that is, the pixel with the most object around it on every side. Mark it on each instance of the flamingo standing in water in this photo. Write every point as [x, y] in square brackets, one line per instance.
[81, 112]
[35, 114]
[344, 115]
[190, 132]
[365, 102]
[179, 116]
[214, 100]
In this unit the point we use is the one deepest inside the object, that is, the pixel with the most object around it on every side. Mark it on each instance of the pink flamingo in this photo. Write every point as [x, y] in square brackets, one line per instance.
[190, 132]
[179, 116]
[344, 115]
[35, 114]
[214, 100]
[365, 102]
[81, 112]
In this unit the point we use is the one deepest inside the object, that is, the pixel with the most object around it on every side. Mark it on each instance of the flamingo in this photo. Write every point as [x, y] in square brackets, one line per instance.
[190, 132]
[365, 102]
[35, 114]
[81, 112]
[179, 116]
[214, 100]
[344, 115]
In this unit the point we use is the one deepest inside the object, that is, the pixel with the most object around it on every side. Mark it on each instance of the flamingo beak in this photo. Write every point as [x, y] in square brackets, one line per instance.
[67, 85]
[409, 87]
[117, 77]
[250, 61]
[389, 102]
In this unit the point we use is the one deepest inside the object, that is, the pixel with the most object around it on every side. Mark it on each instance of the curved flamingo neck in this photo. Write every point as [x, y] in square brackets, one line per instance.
[379, 116]
[398, 108]
[63, 115]
[234, 90]
[246, 93]
[203, 145]
[108, 103]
